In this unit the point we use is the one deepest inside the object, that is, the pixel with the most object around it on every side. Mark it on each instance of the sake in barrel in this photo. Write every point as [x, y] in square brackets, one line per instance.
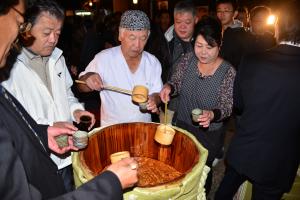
[175, 171]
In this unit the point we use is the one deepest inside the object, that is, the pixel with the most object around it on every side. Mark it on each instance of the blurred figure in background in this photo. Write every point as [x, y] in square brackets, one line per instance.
[258, 20]
[265, 149]
[243, 16]
[163, 20]
[233, 43]
[259, 37]
[202, 11]
[157, 43]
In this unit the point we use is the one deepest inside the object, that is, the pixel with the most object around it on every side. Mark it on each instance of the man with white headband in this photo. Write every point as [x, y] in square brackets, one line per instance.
[125, 66]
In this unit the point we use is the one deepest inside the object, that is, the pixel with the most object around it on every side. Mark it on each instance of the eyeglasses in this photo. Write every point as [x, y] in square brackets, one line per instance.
[25, 26]
[225, 11]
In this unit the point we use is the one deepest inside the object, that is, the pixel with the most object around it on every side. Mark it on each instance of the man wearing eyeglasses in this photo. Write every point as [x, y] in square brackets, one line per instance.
[40, 79]
[233, 42]
[27, 172]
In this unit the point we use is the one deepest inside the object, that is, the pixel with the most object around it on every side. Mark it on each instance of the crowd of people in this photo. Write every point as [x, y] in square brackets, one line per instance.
[228, 64]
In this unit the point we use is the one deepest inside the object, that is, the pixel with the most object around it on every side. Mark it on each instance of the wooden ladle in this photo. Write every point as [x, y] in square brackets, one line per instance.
[139, 93]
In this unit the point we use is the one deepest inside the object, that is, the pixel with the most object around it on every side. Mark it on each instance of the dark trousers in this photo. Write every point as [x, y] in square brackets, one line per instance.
[211, 140]
[232, 181]
[67, 176]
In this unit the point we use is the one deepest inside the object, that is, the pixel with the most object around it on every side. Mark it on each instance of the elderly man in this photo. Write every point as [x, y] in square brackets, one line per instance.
[27, 172]
[265, 150]
[125, 66]
[40, 79]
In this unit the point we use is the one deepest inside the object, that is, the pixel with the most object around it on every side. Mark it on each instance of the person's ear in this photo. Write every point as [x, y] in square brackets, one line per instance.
[235, 14]
[120, 34]
[196, 19]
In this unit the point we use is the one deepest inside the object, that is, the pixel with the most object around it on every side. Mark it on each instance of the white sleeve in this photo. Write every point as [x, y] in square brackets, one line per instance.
[72, 100]
[92, 67]
[14, 86]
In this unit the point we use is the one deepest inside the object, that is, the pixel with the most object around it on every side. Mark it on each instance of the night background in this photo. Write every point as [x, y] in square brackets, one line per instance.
[146, 5]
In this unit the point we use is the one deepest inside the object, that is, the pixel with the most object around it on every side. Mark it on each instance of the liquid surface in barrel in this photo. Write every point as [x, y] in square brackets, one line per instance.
[153, 172]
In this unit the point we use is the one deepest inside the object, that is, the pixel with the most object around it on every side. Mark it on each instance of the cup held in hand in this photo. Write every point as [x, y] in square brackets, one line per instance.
[143, 106]
[164, 134]
[80, 139]
[140, 94]
[196, 113]
[115, 157]
[62, 141]
[85, 123]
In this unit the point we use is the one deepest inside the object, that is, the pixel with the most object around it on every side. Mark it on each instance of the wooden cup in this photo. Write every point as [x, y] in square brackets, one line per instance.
[140, 94]
[115, 157]
[62, 141]
[164, 134]
[196, 113]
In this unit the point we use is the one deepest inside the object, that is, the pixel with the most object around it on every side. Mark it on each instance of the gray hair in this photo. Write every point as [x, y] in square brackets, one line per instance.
[185, 7]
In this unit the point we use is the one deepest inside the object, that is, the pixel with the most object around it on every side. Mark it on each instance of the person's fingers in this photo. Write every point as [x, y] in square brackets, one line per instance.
[161, 95]
[205, 123]
[152, 107]
[128, 161]
[67, 149]
[93, 120]
[164, 96]
[55, 131]
[70, 126]
[68, 131]
[154, 110]
[94, 82]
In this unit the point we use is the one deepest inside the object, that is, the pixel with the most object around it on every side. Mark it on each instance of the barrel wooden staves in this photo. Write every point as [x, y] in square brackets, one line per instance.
[185, 155]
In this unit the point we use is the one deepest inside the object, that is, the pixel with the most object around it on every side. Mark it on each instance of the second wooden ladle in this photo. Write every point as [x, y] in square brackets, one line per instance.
[139, 93]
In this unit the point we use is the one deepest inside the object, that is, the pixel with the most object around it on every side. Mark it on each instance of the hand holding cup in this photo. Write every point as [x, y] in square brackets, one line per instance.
[196, 114]
[126, 171]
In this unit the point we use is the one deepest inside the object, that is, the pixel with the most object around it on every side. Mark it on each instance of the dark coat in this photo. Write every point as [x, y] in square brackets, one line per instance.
[178, 49]
[258, 43]
[158, 46]
[233, 45]
[27, 172]
[266, 147]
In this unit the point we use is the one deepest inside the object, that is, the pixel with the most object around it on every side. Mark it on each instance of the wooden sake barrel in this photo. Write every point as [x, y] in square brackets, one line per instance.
[185, 154]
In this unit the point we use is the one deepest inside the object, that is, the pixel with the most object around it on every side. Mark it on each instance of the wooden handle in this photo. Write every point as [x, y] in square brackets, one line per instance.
[107, 87]
[116, 89]
[81, 82]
